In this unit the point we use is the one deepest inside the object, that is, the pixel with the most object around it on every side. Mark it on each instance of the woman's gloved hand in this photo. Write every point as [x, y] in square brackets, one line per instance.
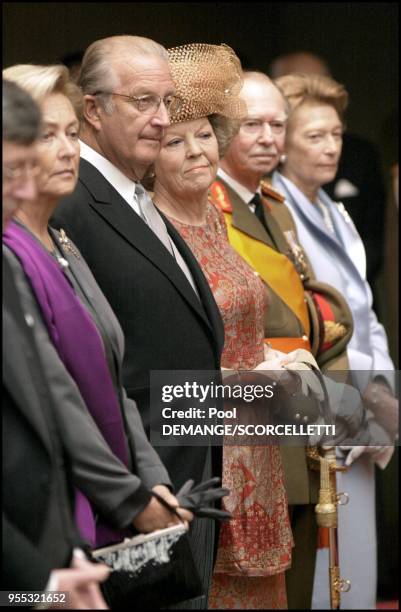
[199, 500]
[380, 454]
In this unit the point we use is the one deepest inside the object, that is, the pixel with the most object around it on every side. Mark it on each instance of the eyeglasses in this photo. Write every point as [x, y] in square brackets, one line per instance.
[149, 104]
[21, 172]
[255, 126]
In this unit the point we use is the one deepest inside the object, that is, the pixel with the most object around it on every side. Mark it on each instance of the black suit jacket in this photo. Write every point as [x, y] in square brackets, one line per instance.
[38, 530]
[166, 326]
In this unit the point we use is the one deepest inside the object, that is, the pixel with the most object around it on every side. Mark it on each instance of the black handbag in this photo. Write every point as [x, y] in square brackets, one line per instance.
[150, 571]
[157, 570]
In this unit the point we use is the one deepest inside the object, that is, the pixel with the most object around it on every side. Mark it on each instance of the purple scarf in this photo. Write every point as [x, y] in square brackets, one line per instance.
[80, 347]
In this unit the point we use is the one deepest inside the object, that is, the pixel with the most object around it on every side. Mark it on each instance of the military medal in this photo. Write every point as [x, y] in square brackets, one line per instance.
[296, 254]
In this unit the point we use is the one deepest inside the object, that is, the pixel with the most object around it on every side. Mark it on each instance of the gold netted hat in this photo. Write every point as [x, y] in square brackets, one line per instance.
[208, 80]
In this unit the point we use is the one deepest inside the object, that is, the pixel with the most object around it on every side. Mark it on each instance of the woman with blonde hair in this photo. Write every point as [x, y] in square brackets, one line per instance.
[335, 250]
[116, 470]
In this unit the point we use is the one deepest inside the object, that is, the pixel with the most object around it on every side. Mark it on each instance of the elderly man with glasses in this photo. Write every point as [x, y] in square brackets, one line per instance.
[150, 277]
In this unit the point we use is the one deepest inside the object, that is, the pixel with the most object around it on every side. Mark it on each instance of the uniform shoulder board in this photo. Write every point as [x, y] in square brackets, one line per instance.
[219, 196]
[269, 191]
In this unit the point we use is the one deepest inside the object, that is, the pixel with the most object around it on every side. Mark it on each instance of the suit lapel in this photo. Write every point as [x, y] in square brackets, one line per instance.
[118, 214]
[246, 221]
[75, 267]
[350, 238]
[243, 219]
[310, 214]
[21, 362]
[311, 217]
[276, 233]
[84, 278]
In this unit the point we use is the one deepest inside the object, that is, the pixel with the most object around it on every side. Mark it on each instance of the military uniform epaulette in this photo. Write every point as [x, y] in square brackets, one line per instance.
[219, 196]
[269, 191]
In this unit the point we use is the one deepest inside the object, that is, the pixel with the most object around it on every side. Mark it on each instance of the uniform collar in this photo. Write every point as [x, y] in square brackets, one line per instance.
[242, 191]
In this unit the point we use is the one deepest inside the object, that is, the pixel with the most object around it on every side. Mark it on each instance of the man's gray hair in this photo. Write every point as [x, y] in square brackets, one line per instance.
[21, 115]
[256, 75]
[98, 69]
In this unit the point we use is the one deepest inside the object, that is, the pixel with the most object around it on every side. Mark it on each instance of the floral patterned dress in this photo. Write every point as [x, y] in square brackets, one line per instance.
[255, 546]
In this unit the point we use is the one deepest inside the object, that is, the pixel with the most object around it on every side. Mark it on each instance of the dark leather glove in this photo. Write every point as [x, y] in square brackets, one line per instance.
[290, 404]
[200, 499]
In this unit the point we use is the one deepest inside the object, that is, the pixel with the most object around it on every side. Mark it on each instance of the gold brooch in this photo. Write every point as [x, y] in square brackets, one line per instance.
[67, 244]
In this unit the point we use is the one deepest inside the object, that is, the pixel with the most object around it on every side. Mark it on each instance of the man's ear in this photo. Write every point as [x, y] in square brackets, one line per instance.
[91, 111]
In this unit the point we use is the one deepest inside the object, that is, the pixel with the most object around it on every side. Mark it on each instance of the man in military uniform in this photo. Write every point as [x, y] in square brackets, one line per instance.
[302, 313]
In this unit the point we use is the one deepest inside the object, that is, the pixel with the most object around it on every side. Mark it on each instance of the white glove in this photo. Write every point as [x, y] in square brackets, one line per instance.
[380, 454]
[297, 356]
[271, 353]
[302, 356]
[298, 360]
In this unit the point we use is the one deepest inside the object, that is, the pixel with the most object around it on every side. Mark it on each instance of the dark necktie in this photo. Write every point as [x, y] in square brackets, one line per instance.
[259, 208]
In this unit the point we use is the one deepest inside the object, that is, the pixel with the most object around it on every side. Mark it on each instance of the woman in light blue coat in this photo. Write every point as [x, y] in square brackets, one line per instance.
[337, 255]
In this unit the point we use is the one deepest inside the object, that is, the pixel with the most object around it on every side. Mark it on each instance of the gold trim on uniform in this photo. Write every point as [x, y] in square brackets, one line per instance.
[333, 331]
[219, 195]
[268, 190]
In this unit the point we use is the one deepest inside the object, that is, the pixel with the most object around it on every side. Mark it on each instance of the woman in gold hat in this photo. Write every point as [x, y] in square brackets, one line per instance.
[255, 546]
